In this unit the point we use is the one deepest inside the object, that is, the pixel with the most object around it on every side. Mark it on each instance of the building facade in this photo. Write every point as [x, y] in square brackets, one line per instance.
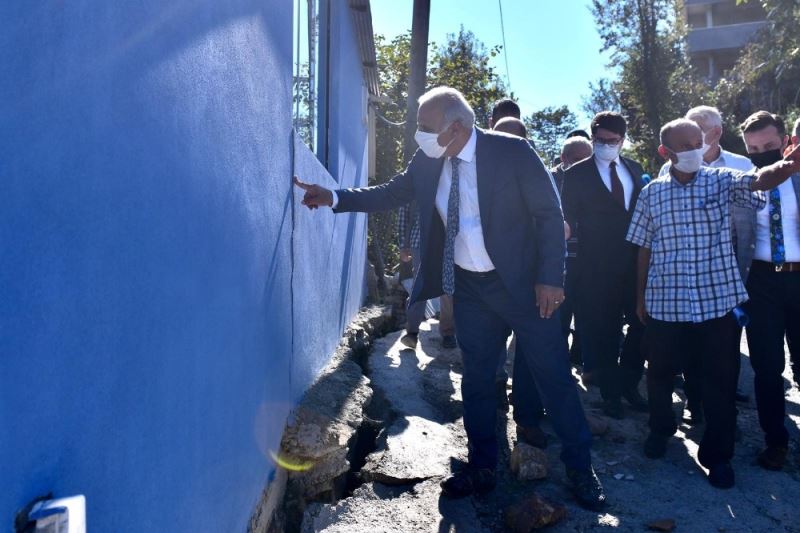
[718, 30]
[164, 300]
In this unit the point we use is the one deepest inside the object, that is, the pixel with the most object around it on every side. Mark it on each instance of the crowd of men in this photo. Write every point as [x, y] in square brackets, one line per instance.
[660, 272]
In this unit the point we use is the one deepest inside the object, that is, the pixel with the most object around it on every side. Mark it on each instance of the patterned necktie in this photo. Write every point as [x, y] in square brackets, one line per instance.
[616, 185]
[448, 265]
[776, 228]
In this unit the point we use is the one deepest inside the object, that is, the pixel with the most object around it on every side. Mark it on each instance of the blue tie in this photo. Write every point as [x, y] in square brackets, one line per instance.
[448, 265]
[776, 228]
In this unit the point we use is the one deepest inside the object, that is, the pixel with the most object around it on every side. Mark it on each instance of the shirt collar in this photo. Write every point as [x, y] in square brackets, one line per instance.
[467, 154]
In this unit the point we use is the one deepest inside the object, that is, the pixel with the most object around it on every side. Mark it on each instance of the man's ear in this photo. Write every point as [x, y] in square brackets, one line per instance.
[662, 151]
[795, 140]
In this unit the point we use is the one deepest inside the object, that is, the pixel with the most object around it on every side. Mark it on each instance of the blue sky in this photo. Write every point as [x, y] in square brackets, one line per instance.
[552, 45]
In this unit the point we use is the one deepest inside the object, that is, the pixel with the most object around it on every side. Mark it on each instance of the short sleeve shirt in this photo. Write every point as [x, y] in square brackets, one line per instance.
[693, 275]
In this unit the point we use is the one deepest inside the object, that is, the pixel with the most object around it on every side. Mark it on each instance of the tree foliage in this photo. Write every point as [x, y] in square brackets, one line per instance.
[655, 81]
[462, 63]
[767, 74]
[548, 127]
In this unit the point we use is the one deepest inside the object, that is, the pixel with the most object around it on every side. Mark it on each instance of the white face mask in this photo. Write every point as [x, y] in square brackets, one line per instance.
[689, 161]
[605, 152]
[428, 142]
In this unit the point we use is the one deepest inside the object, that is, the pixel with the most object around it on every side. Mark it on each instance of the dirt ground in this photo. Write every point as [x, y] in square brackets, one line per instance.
[424, 437]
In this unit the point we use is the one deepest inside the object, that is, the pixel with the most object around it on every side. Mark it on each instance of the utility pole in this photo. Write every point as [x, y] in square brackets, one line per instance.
[417, 70]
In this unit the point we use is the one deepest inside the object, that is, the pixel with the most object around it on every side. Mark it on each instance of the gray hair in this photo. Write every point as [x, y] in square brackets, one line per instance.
[669, 127]
[796, 129]
[452, 103]
[706, 115]
[572, 144]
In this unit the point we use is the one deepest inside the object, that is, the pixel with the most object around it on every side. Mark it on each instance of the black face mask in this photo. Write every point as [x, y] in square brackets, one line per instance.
[765, 159]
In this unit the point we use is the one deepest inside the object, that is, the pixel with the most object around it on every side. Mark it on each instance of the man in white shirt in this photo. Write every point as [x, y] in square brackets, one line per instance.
[770, 239]
[491, 235]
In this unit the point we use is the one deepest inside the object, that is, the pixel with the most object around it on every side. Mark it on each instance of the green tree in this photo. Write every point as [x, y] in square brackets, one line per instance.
[655, 81]
[767, 74]
[463, 63]
[548, 127]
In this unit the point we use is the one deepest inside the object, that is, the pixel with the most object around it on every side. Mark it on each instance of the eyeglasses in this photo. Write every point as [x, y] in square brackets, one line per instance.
[607, 142]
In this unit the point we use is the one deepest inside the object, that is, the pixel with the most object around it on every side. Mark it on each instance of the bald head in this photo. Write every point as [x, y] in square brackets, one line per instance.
[512, 126]
[575, 149]
[681, 134]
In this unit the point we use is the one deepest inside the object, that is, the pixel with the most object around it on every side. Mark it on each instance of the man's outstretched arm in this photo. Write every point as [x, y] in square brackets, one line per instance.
[395, 193]
[775, 174]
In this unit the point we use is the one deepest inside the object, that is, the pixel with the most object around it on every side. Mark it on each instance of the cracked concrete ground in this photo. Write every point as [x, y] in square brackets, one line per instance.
[426, 437]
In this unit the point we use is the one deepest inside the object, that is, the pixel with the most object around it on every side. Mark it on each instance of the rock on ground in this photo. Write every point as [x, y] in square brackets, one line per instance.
[422, 388]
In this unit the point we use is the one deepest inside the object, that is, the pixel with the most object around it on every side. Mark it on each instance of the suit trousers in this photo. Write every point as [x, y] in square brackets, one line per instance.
[774, 309]
[415, 313]
[669, 345]
[484, 311]
[606, 304]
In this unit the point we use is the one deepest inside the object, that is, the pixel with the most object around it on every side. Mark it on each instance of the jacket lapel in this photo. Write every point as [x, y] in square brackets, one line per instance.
[484, 179]
[637, 183]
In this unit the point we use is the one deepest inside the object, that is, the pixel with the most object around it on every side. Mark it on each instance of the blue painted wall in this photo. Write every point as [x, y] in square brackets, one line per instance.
[155, 271]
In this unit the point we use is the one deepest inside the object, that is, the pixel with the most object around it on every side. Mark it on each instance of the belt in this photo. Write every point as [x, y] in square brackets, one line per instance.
[474, 274]
[785, 267]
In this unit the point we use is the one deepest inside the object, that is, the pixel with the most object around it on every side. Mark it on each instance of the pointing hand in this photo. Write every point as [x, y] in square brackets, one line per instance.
[315, 196]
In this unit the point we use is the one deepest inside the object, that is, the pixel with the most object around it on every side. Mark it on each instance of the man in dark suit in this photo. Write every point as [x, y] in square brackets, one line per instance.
[492, 235]
[575, 149]
[598, 198]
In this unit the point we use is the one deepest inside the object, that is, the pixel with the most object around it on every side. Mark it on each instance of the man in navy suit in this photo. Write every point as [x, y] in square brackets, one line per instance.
[599, 196]
[492, 235]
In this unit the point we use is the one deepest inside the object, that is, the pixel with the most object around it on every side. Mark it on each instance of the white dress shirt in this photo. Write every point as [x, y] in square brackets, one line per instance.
[470, 250]
[726, 159]
[789, 222]
[604, 167]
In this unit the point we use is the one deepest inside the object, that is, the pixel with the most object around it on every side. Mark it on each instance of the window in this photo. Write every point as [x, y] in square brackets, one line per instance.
[306, 68]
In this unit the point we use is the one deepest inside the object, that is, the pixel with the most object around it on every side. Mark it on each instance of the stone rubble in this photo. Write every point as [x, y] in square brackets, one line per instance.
[424, 439]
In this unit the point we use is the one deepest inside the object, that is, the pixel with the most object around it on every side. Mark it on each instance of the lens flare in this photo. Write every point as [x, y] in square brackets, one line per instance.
[292, 465]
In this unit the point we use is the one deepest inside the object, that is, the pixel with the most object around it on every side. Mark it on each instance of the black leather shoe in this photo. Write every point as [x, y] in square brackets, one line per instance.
[721, 476]
[773, 457]
[409, 340]
[467, 482]
[532, 435]
[655, 445]
[587, 489]
[502, 397]
[449, 342]
[614, 409]
[636, 401]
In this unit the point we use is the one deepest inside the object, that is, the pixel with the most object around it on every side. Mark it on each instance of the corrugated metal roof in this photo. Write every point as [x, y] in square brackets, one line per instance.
[362, 16]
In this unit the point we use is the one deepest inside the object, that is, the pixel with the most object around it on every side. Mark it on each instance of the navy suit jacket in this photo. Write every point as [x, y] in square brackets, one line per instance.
[521, 219]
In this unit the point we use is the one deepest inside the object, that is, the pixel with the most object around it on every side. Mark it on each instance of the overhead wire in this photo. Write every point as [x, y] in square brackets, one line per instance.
[505, 48]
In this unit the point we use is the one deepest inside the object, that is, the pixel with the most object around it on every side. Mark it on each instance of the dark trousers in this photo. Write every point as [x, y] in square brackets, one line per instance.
[568, 311]
[484, 311]
[774, 310]
[670, 344]
[605, 305]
